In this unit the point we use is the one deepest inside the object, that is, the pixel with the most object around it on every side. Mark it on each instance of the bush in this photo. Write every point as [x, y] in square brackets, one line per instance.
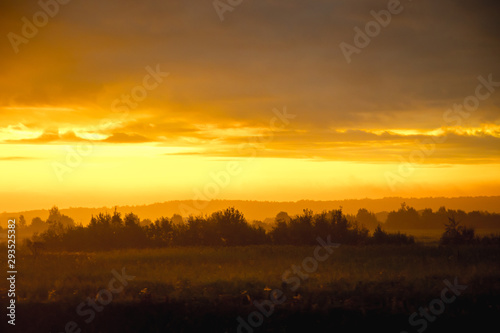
[456, 234]
[382, 237]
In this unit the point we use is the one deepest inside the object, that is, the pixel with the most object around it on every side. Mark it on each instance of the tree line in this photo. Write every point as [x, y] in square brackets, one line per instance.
[409, 218]
[230, 228]
[223, 228]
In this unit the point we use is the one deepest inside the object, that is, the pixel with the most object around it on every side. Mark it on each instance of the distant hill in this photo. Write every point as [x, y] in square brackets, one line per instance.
[260, 210]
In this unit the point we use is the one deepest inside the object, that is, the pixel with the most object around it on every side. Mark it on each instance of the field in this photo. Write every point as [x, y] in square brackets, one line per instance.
[204, 288]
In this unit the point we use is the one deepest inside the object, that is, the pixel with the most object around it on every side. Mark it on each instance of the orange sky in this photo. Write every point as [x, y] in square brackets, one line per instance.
[128, 102]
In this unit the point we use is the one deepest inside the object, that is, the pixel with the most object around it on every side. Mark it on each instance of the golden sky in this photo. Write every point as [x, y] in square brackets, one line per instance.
[133, 102]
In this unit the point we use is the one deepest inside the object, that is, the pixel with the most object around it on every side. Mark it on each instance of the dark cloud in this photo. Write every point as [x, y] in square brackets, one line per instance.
[265, 54]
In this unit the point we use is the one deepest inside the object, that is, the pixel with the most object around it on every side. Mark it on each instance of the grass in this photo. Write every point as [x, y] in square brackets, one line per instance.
[208, 272]
[188, 288]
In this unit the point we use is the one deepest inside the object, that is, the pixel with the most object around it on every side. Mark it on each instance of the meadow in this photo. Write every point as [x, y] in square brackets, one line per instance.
[207, 288]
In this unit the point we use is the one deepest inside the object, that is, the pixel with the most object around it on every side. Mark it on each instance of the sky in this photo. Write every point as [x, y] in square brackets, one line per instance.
[127, 102]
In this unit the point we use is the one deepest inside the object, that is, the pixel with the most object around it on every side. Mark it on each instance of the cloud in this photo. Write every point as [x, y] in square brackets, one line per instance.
[49, 136]
[231, 74]
[16, 158]
[449, 146]
[126, 138]
[263, 54]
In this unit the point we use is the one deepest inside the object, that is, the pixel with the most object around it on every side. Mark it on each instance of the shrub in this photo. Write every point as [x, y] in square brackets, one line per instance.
[456, 234]
[382, 237]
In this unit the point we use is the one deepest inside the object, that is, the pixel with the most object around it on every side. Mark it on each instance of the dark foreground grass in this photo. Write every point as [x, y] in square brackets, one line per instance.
[205, 289]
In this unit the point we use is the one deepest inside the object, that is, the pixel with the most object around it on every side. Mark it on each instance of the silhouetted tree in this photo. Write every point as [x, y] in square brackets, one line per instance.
[116, 220]
[366, 218]
[282, 217]
[21, 223]
[405, 218]
[305, 228]
[55, 217]
[177, 219]
[455, 234]
[37, 225]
